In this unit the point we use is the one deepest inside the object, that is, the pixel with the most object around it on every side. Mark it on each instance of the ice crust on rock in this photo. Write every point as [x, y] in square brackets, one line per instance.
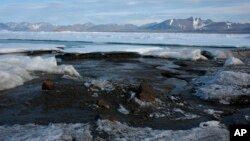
[223, 85]
[207, 131]
[15, 70]
[98, 84]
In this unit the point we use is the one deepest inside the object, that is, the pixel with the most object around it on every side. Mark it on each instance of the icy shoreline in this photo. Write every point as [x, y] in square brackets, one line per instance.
[211, 130]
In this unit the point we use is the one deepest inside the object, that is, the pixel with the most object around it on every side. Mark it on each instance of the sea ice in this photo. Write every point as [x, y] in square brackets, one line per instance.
[184, 39]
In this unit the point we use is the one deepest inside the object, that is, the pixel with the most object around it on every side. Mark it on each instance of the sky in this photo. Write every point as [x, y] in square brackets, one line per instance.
[64, 12]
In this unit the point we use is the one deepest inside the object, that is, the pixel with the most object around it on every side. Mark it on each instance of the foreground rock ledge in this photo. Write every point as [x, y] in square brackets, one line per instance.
[207, 131]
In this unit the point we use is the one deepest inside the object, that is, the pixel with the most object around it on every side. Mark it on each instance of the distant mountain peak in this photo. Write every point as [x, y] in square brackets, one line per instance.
[191, 24]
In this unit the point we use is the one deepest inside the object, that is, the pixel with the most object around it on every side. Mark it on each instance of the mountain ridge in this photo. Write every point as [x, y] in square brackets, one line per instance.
[191, 24]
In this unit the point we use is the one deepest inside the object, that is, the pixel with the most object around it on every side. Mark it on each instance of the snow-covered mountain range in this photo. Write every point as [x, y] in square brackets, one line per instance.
[191, 24]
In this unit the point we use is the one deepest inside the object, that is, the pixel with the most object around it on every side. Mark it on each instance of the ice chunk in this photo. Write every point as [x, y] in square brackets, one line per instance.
[68, 70]
[52, 132]
[123, 110]
[210, 130]
[233, 61]
[223, 85]
[15, 70]
[181, 53]
[100, 84]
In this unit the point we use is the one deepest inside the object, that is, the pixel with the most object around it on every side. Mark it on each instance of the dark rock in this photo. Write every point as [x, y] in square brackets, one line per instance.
[103, 103]
[207, 54]
[146, 92]
[241, 53]
[99, 55]
[48, 85]
[62, 48]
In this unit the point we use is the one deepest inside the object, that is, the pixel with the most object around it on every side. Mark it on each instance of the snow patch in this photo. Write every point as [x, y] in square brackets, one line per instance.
[171, 22]
[197, 23]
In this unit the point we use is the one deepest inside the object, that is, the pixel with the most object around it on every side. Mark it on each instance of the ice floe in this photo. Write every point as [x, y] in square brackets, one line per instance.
[223, 85]
[15, 70]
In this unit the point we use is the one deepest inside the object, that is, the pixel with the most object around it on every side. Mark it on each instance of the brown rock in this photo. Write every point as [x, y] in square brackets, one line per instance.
[146, 92]
[103, 103]
[48, 85]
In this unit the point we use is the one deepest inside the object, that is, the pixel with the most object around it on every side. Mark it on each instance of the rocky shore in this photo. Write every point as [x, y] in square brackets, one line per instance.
[126, 95]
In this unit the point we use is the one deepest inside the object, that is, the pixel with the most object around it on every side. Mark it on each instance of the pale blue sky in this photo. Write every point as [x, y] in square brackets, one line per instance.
[121, 11]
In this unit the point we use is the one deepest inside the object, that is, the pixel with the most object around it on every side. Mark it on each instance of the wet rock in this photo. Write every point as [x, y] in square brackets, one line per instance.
[175, 85]
[99, 55]
[241, 53]
[207, 54]
[146, 92]
[61, 48]
[48, 85]
[111, 118]
[103, 103]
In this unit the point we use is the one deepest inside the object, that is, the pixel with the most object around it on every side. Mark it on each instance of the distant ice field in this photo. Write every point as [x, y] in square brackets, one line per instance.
[149, 39]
